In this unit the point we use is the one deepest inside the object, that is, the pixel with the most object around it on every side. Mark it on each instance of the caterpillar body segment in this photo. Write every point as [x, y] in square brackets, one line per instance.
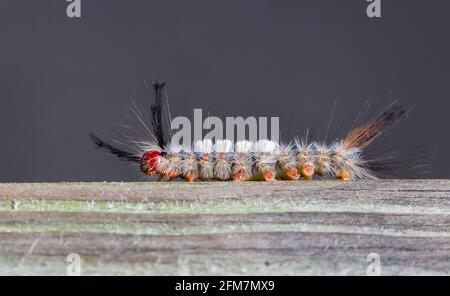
[222, 165]
[189, 167]
[322, 160]
[242, 161]
[285, 165]
[305, 159]
[203, 149]
[263, 168]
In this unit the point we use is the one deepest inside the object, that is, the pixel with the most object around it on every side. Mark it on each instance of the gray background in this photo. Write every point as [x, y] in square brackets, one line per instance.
[61, 78]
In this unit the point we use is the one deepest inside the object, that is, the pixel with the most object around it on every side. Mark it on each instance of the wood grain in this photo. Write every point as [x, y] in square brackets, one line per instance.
[292, 228]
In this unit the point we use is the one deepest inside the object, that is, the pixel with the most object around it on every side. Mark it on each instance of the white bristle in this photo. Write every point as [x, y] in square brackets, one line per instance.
[186, 148]
[243, 146]
[264, 146]
[174, 148]
[203, 146]
[144, 146]
[283, 149]
[304, 146]
[223, 146]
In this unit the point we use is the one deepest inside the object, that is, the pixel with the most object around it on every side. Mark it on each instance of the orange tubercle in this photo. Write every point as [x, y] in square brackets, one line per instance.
[190, 178]
[292, 174]
[269, 176]
[239, 176]
[307, 172]
[344, 175]
[172, 175]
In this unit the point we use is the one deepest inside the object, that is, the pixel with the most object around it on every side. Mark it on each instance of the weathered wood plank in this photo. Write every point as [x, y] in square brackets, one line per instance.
[337, 251]
[429, 191]
[436, 221]
[99, 244]
[320, 227]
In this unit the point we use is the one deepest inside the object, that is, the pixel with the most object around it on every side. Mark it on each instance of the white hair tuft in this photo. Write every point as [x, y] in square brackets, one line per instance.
[264, 146]
[174, 148]
[223, 146]
[243, 146]
[203, 146]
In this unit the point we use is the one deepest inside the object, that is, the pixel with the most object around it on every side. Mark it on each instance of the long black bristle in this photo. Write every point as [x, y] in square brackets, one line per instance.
[393, 114]
[123, 155]
[409, 163]
[156, 109]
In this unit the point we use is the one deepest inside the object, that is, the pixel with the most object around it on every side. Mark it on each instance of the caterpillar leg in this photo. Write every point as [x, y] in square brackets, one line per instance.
[239, 176]
[190, 178]
[287, 171]
[172, 175]
[307, 171]
[344, 175]
[292, 174]
[241, 171]
[264, 172]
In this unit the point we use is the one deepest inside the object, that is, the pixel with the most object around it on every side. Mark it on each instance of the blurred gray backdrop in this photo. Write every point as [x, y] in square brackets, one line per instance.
[61, 78]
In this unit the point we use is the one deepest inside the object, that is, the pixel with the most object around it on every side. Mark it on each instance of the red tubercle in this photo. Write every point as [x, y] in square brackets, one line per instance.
[239, 176]
[149, 162]
[292, 174]
[307, 171]
[269, 176]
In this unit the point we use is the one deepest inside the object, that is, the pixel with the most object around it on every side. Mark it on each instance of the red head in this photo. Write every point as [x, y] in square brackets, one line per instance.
[149, 162]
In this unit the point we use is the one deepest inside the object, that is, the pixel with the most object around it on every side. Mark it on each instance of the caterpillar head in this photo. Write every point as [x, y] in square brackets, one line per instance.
[149, 162]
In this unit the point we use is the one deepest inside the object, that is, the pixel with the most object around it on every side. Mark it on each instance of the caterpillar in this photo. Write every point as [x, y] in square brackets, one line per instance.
[261, 160]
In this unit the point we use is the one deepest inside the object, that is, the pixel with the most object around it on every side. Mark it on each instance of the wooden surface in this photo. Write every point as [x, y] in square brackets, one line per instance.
[281, 228]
